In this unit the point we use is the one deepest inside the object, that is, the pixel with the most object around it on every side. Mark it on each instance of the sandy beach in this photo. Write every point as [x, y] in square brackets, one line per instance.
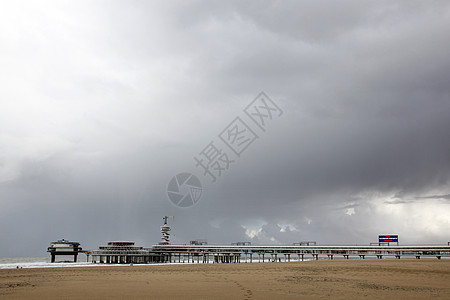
[337, 279]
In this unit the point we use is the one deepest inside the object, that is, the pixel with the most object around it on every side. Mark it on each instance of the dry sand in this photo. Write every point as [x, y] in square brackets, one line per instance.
[337, 279]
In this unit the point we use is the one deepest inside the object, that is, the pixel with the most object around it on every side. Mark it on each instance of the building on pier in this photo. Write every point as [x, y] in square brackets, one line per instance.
[63, 247]
[199, 242]
[125, 252]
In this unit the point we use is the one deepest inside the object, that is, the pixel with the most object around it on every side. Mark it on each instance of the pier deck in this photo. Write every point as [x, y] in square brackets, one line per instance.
[236, 253]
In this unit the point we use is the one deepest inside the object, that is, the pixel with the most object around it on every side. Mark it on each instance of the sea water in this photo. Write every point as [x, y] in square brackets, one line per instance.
[44, 262]
[39, 262]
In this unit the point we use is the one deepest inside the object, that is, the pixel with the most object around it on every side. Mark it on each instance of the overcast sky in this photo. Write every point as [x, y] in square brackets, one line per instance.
[103, 102]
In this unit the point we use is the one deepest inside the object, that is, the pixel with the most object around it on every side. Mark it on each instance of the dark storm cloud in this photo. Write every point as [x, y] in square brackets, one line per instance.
[445, 197]
[104, 103]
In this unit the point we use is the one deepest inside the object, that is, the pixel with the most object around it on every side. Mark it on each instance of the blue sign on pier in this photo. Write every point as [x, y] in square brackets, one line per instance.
[387, 238]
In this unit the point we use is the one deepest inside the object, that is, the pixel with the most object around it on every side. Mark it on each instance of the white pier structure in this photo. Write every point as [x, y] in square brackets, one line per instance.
[64, 247]
[165, 235]
[248, 253]
[123, 252]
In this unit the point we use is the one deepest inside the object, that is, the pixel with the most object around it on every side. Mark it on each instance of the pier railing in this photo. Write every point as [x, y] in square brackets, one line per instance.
[312, 251]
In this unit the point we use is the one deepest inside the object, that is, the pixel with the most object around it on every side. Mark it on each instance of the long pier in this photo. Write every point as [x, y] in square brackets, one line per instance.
[248, 253]
[124, 252]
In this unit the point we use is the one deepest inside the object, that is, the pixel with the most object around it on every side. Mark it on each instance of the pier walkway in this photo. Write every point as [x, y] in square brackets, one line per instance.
[247, 253]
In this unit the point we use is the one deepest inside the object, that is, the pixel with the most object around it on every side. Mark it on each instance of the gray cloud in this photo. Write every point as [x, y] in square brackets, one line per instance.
[443, 197]
[103, 103]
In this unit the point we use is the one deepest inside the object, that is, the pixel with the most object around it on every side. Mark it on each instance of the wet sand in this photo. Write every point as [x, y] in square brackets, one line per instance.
[337, 279]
